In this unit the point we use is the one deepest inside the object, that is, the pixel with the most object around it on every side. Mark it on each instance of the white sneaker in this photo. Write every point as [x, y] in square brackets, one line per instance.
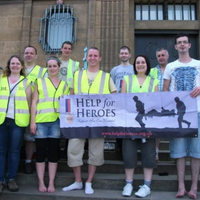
[143, 191]
[88, 188]
[74, 186]
[127, 190]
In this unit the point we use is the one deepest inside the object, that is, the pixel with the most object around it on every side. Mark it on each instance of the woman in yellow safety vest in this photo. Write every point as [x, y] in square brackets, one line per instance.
[45, 123]
[15, 95]
[139, 82]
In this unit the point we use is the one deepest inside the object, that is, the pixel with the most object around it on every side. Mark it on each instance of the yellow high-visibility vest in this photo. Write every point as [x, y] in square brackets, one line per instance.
[21, 108]
[48, 106]
[72, 67]
[154, 72]
[100, 84]
[36, 72]
[134, 87]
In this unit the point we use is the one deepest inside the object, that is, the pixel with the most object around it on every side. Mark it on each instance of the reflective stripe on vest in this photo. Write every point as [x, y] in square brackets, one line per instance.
[65, 88]
[20, 98]
[47, 99]
[102, 83]
[18, 111]
[4, 97]
[3, 109]
[130, 83]
[79, 81]
[40, 72]
[73, 68]
[46, 110]
[151, 84]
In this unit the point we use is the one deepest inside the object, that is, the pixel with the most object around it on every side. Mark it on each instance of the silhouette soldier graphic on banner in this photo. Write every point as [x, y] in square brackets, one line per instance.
[181, 108]
[141, 112]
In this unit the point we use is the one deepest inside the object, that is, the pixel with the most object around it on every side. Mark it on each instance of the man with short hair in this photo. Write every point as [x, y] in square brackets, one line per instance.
[183, 75]
[157, 72]
[68, 66]
[33, 72]
[95, 78]
[67, 69]
[59, 2]
[117, 73]
[162, 56]
[124, 69]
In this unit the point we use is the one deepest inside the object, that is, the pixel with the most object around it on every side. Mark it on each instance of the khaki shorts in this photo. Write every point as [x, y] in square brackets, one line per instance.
[76, 150]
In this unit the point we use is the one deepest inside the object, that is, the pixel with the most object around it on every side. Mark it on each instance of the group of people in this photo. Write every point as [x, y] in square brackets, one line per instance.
[29, 103]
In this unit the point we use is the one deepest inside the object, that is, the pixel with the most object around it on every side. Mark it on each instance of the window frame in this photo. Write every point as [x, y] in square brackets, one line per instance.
[50, 37]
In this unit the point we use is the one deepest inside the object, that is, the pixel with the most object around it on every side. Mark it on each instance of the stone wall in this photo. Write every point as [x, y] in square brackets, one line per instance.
[106, 24]
[11, 15]
[19, 27]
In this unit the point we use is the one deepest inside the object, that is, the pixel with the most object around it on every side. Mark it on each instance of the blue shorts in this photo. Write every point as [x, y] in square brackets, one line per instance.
[48, 130]
[182, 147]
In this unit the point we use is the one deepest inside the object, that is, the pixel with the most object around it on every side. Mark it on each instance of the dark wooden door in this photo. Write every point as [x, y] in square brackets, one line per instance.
[148, 43]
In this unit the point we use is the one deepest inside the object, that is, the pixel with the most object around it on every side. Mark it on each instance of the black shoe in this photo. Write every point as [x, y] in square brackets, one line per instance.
[28, 168]
[12, 185]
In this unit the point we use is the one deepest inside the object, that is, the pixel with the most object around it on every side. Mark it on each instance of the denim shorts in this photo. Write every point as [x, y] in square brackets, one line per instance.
[182, 147]
[48, 130]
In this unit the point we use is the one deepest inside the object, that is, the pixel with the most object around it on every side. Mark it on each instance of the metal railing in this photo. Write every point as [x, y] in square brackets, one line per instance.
[58, 25]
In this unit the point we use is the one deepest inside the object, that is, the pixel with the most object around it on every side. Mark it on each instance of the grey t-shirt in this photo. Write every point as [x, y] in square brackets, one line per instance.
[63, 70]
[118, 73]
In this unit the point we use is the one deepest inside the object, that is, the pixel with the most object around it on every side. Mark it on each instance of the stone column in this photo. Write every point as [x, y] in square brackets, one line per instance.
[109, 29]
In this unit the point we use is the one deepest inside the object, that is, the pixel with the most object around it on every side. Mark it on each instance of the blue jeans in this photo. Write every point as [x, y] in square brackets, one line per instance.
[11, 137]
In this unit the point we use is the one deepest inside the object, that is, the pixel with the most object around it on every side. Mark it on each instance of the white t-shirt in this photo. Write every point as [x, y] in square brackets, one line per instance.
[184, 76]
[28, 70]
[118, 73]
[11, 108]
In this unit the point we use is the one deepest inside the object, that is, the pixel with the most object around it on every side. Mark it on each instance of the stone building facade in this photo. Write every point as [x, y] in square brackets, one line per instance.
[106, 24]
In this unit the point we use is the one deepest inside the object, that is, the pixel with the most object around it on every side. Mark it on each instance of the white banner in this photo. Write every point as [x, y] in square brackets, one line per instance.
[159, 114]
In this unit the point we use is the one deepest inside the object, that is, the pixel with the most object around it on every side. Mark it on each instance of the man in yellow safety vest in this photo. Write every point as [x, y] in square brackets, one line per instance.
[90, 81]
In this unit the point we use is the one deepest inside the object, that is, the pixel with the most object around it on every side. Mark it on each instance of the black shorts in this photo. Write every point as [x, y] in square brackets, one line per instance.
[129, 152]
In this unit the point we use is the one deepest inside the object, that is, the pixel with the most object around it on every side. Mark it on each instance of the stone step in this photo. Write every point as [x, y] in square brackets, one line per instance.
[164, 143]
[107, 181]
[31, 192]
[164, 155]
[117, 167]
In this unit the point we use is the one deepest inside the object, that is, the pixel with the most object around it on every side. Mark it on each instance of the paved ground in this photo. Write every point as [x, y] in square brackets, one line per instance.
[31, 193]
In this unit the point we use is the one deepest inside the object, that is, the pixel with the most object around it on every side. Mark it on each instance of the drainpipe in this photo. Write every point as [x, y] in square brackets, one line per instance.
[89, 17]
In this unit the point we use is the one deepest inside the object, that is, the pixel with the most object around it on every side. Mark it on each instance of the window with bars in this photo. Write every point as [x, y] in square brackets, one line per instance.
[165, 11]
[58, 25]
